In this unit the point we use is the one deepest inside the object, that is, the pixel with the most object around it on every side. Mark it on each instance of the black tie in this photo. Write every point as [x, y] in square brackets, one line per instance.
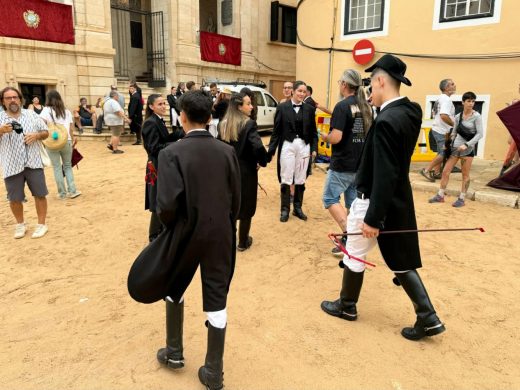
[296, 105]
[378, 110]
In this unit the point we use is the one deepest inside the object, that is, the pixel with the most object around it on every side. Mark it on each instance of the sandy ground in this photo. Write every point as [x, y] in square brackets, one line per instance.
[67, 321]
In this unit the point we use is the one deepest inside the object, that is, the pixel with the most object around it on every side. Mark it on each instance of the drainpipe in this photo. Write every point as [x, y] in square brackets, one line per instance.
[331, 52]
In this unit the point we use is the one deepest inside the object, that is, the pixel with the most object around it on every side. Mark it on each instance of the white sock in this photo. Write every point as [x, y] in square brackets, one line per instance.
[462, 195]
[441, 192]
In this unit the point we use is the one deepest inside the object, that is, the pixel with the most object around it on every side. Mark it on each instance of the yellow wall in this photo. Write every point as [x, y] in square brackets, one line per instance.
[410, 31]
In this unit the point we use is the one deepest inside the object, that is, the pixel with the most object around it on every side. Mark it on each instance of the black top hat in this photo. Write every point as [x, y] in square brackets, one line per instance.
[393, 66]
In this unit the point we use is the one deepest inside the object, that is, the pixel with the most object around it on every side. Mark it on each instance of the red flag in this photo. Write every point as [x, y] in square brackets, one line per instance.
[37, 19]
[220, 48]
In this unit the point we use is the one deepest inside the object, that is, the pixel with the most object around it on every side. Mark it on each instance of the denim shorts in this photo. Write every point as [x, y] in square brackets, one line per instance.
[338, 183]
[440, 139]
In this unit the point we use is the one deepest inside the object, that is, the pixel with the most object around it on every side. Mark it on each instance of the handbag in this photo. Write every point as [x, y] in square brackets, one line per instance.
[463, 131]
[46, 160]
[58, 135]
[76, 157]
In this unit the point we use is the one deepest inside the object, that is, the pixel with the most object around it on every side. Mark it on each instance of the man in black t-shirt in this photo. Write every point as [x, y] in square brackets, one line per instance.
[347, 136]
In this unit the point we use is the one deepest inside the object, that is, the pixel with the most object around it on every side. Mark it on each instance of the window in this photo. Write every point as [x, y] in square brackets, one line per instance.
[259, 99]
[270, 101]
[363, 16]
[465, 9]
[283, 18]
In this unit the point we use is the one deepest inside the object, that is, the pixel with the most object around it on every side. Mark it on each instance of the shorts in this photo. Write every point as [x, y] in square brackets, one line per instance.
[35, 179]
[440, 139]
[85, 121]
[116, 130]
[338, 183]
[469, 152]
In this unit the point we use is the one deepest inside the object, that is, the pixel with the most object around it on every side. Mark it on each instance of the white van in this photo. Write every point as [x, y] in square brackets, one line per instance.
[265, 102]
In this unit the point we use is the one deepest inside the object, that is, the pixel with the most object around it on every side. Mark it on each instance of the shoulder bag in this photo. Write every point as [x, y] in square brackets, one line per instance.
[463, 131]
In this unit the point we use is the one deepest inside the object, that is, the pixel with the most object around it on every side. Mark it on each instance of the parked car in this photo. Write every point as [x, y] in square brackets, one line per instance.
[265, 102]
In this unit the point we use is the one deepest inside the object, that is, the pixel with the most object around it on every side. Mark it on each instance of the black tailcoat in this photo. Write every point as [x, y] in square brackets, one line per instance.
[383, 177]
[135, 112]
[198, 200]
[284, 124]
[172, 101]
[156, 138]
[250, 151]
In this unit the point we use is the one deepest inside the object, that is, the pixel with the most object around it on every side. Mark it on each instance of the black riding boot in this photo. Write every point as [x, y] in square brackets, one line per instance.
[427, 324]
[172, 354]
[285, 197]
[210, 374]
[299, 189]
[345, 306]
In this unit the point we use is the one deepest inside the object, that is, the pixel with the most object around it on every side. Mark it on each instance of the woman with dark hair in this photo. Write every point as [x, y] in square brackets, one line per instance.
[240, 131]
[55, 112]
[467, 131]
[296, 138]
[35, 105]
[181, 89]
[250, 94]
[155, 138]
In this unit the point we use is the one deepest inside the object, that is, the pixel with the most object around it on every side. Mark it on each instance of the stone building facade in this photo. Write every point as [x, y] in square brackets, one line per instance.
[155, 42]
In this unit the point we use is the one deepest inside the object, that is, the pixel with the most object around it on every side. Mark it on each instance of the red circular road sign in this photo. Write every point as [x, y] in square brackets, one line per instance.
[363, 51]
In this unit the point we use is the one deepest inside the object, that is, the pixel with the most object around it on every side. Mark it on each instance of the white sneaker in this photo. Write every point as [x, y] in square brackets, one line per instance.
[74, 195]
[40, 231]
[20, 230]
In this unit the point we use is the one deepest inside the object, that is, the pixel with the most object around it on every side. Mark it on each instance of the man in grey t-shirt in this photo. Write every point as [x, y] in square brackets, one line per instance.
[444, 116]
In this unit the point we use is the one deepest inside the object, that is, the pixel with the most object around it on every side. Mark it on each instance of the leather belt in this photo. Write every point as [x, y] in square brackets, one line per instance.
[361, 195]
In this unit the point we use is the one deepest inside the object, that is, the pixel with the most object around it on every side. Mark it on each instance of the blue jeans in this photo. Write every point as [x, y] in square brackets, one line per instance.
[59, 157]
[338, 183]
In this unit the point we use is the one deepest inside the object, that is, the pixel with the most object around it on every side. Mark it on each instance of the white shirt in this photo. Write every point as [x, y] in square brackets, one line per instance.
[443, 106]
[15, 155]
[390, 101]
[49, 116]
[110, 108]
[296, 109]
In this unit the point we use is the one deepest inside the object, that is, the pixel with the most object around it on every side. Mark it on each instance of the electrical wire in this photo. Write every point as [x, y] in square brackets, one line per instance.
[488, 56]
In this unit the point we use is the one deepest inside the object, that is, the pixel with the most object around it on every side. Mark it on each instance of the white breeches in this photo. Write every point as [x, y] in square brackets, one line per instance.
[294, 161]
[357, 246]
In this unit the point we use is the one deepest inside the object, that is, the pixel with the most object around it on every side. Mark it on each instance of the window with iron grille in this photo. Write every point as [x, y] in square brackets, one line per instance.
[363, 16]
[452, 10]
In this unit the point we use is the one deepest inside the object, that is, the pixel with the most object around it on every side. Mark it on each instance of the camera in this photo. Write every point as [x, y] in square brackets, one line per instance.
[17, 127]
[366, 81]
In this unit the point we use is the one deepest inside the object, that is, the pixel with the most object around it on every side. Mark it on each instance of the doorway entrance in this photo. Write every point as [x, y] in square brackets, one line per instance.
[31, 90]
[138, 38]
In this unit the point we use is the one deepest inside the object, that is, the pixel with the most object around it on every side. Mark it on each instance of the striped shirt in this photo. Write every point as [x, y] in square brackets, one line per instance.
[15, 155]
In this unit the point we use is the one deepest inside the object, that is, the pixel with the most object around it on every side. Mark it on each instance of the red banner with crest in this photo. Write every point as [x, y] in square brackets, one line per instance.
[38, 20]
[220, 48]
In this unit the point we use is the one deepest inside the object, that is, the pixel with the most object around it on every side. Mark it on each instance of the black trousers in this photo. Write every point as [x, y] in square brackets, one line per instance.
[243, 231]
[135, 127]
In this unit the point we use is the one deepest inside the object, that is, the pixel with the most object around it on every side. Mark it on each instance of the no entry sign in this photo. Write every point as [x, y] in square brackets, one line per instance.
[363, 51]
